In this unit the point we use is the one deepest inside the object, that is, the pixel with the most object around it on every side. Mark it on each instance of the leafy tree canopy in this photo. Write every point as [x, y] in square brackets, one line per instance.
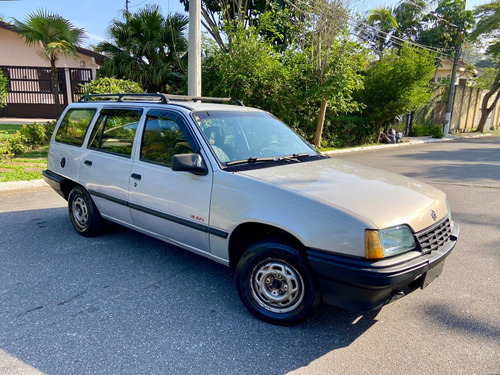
[397, 84]
[147, 48]
[56, 35]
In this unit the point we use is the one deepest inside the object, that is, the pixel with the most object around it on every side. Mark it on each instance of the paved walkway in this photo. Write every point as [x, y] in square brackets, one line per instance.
[23, 121]
[407, 141]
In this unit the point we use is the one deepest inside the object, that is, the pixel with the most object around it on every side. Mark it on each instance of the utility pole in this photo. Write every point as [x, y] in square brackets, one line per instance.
[194, 48]
[451, 97]
[126, 5]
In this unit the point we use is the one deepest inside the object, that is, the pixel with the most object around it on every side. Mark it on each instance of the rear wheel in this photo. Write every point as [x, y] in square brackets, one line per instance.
[275, 283]
[83, 213]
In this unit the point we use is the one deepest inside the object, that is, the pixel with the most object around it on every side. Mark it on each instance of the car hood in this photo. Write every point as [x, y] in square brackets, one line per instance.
[385, 199]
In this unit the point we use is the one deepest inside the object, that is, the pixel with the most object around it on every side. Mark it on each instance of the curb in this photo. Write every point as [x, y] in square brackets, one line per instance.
[21, 185]
[410, 142]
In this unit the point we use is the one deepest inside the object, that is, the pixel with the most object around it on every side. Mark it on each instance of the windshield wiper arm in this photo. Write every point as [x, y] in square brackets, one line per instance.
[295, 157]
[250, 160]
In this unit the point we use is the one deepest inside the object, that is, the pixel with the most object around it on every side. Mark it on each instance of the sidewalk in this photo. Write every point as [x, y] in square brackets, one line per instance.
[407, 141]
[23, 121]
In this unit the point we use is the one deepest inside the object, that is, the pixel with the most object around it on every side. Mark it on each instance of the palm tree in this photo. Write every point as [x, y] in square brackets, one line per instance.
[410, 18]
[56, 35]
[149, 49]
[383, 23]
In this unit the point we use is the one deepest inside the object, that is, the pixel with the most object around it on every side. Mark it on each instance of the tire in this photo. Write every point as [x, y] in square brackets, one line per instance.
[83, 213]
[275, 283]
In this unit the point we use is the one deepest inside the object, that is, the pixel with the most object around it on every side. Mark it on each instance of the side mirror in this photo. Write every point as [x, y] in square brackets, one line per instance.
[189, 163]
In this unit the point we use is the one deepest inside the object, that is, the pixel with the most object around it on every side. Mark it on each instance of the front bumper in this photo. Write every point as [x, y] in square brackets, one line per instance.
[363, 285]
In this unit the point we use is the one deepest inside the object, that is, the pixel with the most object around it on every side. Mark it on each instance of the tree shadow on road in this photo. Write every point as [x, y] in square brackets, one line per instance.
[455, 321]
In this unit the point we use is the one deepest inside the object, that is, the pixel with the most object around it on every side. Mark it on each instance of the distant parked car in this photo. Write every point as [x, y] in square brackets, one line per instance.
[236, 185]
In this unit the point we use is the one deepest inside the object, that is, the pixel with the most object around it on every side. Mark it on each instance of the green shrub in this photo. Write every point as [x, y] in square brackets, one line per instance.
[3, 90]
[109, 85]
[434, 131]
[26, 138]
[348, 131]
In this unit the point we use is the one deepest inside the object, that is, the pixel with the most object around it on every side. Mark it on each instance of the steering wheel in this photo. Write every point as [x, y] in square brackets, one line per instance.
[266, 146]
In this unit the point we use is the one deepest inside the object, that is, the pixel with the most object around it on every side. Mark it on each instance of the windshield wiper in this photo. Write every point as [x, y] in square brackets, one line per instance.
[296, 157]
[250, 160]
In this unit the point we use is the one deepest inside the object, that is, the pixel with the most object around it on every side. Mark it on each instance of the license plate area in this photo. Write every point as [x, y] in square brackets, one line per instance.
[432, 274]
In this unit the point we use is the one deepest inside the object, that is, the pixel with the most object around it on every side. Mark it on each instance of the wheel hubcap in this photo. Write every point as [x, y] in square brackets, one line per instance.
[80, 212]
[277, 286]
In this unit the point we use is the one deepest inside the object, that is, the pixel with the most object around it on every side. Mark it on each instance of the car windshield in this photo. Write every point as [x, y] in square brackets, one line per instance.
[250, 136]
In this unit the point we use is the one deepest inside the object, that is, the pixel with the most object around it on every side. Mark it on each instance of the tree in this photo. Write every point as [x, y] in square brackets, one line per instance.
[326, 22]
[316, 74]
[3, 90]
[377, 28]
[485, 81]
[397, 84]
[56, 35]
[149, 49]
[251, 72]
[410, 18]
[488, 27]
[276, 20]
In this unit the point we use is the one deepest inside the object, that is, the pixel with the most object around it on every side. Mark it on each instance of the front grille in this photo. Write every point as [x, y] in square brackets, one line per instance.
[433, 238]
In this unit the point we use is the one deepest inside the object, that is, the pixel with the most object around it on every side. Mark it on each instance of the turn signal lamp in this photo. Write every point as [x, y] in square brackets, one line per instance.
[373, 245]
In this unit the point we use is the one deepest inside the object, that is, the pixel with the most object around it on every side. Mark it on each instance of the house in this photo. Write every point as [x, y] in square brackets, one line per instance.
[444, 70]
[29, 87]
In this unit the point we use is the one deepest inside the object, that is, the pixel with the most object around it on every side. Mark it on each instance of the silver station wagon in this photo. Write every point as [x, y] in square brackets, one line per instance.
[236, 185]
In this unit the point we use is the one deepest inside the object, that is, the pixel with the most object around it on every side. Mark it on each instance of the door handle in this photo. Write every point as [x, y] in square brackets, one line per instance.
[87, 162]
[136, 176]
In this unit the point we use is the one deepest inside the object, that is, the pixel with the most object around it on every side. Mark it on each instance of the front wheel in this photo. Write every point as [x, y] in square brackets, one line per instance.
[275, 283]
[83, 213]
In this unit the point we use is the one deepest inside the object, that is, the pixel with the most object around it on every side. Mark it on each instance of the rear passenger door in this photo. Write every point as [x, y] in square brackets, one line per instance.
[106, 165]
[172, 204]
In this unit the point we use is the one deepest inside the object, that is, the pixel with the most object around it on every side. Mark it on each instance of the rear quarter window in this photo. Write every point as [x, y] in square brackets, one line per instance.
[74, 125]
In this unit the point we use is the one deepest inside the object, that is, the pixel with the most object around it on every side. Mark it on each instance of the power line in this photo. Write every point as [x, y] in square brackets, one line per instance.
[394, 37]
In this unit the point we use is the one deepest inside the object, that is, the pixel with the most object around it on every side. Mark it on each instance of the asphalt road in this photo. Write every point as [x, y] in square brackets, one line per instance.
[123, 303]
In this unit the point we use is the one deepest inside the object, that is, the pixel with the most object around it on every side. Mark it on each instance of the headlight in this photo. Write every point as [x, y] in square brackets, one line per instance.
[388, 242]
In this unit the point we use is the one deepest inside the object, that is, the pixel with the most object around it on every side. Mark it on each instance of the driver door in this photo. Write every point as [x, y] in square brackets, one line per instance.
[171, 204]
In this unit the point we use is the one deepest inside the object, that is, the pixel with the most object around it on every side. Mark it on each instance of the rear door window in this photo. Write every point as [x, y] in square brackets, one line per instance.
[114, 131]
[74, 125]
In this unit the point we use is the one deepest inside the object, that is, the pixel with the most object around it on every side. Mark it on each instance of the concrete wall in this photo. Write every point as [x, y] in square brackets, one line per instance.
[466, 110]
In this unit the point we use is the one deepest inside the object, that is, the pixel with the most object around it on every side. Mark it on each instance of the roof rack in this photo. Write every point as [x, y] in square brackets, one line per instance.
[162, 98]
[121, 97]
[187, 98]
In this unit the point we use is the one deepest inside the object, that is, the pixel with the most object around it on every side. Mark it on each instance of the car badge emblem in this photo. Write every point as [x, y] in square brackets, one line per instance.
[434, 216]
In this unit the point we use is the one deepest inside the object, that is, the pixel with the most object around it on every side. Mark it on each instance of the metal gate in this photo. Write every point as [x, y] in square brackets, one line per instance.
[30, 90]
[78, 77]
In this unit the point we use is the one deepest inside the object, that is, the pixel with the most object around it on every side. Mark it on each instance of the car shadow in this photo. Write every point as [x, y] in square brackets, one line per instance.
[123, 302]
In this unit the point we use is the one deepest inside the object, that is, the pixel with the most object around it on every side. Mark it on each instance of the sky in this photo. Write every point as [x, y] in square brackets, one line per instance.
[95, 16]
